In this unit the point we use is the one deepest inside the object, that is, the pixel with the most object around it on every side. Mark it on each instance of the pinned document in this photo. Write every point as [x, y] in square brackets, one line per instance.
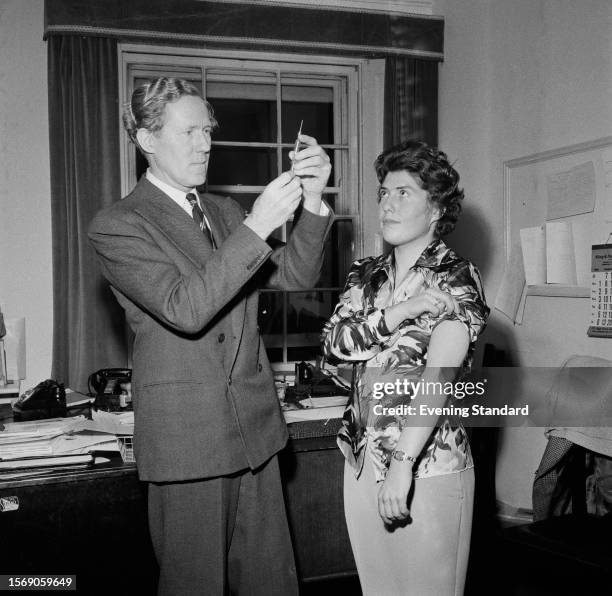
[511, 295]
[533, 246]
[560, 255]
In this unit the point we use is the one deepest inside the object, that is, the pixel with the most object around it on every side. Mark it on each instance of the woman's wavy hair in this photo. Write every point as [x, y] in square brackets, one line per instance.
[433, 171]
[148, 104]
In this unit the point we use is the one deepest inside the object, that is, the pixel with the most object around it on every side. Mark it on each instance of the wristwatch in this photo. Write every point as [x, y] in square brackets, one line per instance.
[400, 455]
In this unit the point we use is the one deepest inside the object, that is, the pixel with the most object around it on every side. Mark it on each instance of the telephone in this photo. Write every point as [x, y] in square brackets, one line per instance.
[316, 382]
[112, 388]
[46, 400]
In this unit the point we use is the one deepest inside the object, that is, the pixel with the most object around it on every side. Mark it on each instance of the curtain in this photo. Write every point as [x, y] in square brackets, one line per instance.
[411, 100]
[88, 324]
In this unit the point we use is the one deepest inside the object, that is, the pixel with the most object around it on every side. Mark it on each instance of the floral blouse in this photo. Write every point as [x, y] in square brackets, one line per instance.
[357, 332]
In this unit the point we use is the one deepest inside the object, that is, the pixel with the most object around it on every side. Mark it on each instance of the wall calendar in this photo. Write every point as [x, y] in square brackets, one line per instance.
[601, 291]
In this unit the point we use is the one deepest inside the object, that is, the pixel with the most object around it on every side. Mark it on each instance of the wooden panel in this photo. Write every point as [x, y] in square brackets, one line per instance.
[94, 528]
[313, 492]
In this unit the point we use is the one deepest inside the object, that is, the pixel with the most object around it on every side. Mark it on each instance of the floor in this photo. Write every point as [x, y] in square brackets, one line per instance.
[498, 568]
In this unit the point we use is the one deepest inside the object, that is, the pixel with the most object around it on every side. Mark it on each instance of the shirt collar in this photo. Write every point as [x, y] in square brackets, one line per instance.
[436, 256]
[178, 196]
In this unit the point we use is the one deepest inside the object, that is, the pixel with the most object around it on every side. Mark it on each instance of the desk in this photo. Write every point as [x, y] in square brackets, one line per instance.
[93, 522]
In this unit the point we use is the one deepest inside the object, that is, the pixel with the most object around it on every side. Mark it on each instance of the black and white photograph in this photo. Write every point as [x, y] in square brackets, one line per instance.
[303, 298]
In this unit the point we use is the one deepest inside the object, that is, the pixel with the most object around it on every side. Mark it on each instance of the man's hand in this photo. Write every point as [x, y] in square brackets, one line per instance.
[313, 168]
[275, 205]
[393, 494]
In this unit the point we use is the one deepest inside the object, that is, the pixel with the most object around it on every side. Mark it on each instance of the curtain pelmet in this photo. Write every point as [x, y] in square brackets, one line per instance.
[88, 324]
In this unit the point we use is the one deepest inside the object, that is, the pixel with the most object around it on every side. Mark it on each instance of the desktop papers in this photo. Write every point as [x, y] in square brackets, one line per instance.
[53, 440]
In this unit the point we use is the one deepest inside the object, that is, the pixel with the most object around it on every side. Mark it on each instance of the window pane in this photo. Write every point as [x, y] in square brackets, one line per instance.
[245, 120]
[338, 254]
[307, 314]
[242, 165]
[270, 317]
[331, 200]
[313, 105]
[193, 78]
[296, 354]
[244, 104]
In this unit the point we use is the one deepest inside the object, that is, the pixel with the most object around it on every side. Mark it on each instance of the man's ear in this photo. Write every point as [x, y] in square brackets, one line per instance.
[146, 140]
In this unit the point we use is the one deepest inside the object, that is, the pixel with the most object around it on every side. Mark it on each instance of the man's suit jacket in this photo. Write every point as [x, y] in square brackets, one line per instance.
[204, 398]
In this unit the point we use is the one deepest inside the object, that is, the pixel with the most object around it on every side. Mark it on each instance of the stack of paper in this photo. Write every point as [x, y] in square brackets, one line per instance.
[56, 442]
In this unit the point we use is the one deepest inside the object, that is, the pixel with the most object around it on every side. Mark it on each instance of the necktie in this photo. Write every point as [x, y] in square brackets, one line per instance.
[198, 217]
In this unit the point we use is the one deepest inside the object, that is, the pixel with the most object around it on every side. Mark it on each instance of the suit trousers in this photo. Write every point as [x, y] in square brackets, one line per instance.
[224, 535]
[427, 556]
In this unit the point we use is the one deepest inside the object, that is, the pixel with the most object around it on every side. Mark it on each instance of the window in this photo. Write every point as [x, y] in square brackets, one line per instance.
[260, 101]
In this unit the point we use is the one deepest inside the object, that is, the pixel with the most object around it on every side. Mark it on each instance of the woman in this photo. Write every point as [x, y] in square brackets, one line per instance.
[408, 320]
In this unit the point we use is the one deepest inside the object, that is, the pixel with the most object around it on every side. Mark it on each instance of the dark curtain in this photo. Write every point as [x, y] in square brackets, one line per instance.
[88, 324]
[411, 100]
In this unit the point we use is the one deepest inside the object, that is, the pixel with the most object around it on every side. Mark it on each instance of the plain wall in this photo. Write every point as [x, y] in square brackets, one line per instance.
[25, 209]
[522, 77]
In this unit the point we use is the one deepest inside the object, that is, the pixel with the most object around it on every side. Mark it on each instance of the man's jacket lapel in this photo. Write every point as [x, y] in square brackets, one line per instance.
[162, 212]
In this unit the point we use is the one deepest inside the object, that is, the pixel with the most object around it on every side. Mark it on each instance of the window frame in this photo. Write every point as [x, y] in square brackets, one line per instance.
[362, 140]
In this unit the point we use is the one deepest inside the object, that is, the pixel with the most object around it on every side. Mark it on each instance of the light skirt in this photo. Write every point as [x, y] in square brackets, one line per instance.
[427, 556]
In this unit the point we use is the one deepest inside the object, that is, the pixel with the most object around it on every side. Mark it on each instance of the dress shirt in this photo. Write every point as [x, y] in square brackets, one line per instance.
[178, 196]
[357, 331]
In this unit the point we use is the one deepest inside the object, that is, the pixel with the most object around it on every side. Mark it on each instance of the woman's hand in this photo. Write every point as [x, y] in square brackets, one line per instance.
[393, 494]
[432, 301]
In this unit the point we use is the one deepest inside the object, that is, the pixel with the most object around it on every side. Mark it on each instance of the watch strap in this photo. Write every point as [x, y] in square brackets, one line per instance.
[400, 455]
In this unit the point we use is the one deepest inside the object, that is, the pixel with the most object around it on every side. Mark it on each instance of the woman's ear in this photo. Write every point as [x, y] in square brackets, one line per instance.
[146, 140]
[436, 214]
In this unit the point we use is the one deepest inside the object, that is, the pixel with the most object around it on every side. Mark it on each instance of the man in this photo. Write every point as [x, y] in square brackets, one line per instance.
[186, 268]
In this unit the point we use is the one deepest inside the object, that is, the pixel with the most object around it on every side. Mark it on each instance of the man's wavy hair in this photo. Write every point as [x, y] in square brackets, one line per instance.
[148, 104]
[431, 168]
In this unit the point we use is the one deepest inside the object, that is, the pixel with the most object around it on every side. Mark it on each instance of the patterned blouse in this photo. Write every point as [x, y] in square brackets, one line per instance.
[357, 332]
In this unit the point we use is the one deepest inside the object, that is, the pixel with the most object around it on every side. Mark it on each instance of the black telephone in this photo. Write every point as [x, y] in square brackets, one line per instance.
[111, 388]
[316, 382]
[108, 381]
[46, 400]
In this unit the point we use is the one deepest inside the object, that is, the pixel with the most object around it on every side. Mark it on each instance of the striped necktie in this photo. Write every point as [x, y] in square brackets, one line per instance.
[198, 216]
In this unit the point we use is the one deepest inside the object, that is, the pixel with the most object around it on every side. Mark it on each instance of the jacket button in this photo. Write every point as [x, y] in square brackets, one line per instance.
[259, 367]
[221, 338]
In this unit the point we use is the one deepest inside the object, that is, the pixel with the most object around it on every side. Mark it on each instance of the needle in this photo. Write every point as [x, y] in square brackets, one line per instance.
[297, 144]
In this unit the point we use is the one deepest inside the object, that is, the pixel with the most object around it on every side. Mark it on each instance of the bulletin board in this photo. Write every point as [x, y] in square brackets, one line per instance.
[572, 183]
